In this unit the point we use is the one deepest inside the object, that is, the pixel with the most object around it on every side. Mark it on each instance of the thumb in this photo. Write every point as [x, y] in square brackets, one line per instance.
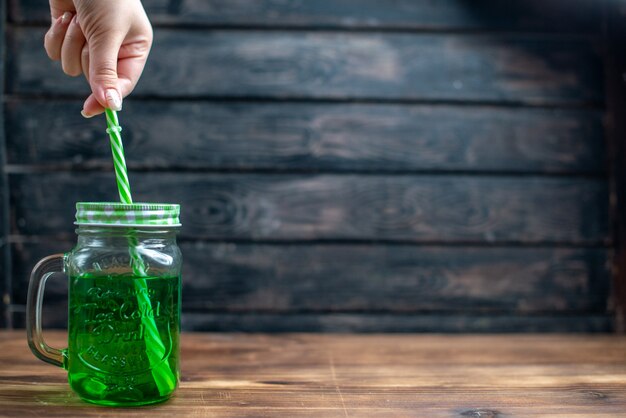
[103, 55]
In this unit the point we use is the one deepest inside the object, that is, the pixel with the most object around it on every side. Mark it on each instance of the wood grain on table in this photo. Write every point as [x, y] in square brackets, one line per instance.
[338, 375]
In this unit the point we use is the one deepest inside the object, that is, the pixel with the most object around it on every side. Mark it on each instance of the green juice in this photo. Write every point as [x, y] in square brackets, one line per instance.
[123, 338]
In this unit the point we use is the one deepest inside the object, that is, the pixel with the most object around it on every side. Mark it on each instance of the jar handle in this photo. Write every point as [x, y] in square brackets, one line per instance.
[42, 271]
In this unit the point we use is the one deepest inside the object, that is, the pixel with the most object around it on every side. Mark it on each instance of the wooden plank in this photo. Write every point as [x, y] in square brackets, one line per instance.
[303, 136]
[5, 266]
[340, 66]
[297, 375]
[376, 322]
[55, 317]
[393, 278]
[413, 208]
[5, 256]
[578, 16]
[5, 271]
[616, 130]
[370, 278]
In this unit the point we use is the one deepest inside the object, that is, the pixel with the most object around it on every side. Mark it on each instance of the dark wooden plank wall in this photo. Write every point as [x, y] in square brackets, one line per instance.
[616, 129]
[5, 283]
[547, 16]
[346, 165]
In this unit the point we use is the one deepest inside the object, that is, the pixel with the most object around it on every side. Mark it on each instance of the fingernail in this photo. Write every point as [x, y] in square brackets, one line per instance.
[85, 115]
[114, 101]
[66, 17]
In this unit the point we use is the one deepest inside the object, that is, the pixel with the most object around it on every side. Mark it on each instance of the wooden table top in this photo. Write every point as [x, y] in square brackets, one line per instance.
[312, 375]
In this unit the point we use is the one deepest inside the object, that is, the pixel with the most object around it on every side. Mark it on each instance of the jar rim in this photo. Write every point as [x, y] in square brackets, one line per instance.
[178, 225]
[127, 214]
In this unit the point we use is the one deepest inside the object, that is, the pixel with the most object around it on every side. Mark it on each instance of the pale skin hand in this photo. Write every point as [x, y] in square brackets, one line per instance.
[106, 40]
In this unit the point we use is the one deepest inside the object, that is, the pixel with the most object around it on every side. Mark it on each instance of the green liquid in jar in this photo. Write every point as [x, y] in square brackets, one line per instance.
[123, 338]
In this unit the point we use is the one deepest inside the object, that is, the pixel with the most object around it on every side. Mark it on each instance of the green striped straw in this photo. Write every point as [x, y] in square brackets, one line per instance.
[119, 162]
[155, 350]
[123, 185]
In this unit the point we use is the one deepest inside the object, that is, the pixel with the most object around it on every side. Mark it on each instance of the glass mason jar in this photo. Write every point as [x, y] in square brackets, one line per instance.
[124, 304]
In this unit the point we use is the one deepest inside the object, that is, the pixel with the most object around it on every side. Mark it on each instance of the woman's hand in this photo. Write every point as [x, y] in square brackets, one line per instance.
[107, 40]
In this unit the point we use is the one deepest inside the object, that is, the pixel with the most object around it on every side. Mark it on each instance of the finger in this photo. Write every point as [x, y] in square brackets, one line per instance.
[91, 107]
[71, 49]
[54, 37]
[58, 7]
[132, 60]
[103, 54]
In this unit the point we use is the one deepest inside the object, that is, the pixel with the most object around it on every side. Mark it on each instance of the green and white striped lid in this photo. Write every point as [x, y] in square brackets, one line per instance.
[124, 214]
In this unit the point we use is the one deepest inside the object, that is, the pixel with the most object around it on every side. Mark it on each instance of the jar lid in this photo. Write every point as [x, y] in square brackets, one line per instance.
[123, 214]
